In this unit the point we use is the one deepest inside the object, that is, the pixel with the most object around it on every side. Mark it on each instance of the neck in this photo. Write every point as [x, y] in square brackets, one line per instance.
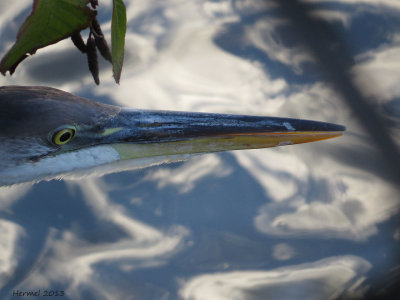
[94, 161]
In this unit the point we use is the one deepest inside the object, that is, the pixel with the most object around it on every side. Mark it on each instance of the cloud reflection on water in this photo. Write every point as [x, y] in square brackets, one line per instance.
[73, 261]
[324, 279]
[10, 234]
[186, 177]
[378, 69]
[173, 62]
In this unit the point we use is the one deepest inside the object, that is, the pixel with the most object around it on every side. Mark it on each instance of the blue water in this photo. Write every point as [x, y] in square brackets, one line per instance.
[315, 221]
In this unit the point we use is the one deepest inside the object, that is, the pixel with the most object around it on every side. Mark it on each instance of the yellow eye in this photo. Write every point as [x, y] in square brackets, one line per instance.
[63, 136]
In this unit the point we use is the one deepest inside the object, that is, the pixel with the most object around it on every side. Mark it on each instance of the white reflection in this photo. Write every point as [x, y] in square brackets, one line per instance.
[378, 70]
[9, 10]
[324, 279]
[10, 194]
[186, 177]
[331, 15]
[221, 11]
[278, 171]
[263, 36]
[10, 233]
[283, 251]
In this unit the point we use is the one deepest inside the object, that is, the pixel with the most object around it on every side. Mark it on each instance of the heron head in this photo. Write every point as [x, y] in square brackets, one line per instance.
[47, 133]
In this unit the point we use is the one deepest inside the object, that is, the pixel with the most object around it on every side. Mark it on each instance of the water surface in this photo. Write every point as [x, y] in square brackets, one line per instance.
[314, 221]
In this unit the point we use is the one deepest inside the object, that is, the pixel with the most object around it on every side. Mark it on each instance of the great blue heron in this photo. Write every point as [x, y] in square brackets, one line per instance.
[46, 133]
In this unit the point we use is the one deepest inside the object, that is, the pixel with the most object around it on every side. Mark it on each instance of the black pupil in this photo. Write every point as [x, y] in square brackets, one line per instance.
[65, 136]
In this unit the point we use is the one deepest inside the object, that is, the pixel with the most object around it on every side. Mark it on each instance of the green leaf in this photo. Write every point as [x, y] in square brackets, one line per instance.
[118, 31]
[49, 22]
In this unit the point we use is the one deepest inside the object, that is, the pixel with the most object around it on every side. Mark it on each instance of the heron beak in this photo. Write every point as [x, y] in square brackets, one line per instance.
[141, 133]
